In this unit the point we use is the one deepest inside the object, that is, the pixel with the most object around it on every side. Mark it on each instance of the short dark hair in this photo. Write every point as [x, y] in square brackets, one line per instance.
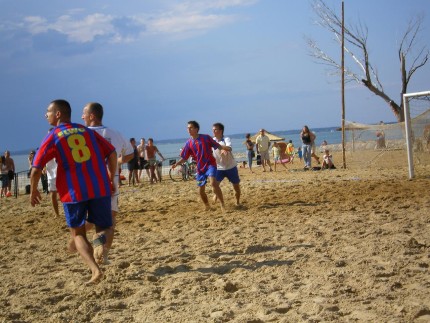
[64, 107]
[195, 124]
[96, 109]
[219, 125]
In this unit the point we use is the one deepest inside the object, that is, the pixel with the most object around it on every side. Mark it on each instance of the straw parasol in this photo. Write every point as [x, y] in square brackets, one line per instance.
[271, 136]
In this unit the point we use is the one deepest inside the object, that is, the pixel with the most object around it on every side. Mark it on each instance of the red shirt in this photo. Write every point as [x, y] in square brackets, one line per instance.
[81, 155]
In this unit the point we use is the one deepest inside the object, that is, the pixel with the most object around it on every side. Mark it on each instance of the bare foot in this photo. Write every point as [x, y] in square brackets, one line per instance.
[95, 279]
[71, 247]
[99, 254]
[207, 207]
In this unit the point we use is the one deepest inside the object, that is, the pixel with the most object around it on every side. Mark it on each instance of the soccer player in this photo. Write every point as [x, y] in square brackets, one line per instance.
[226, 165]
[83, 182]
[92, 115]
[199, 147]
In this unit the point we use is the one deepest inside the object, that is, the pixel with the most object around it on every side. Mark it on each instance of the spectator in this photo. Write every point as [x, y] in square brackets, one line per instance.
[327, 161]
[151, 150]
[133, 165]
[4, 177]
[277, 159]
[143, 163]
[250, 153]
[307, 138]
[290, 151]
[263, 144]
[10, 165]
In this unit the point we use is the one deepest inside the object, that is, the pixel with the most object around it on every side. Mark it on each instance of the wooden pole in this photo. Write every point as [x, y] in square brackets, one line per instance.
[343, 87]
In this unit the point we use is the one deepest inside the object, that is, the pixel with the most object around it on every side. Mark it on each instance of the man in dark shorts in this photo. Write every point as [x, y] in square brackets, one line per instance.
[133, 165]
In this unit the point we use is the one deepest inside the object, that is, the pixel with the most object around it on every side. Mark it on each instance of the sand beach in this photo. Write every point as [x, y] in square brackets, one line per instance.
[345, 245]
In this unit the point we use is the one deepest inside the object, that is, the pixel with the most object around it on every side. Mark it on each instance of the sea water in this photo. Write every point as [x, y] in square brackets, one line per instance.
[170, 149]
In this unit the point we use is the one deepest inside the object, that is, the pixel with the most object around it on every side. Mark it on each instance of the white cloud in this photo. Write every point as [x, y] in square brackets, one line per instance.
[80, 31]
[187, 23]
[184, 18]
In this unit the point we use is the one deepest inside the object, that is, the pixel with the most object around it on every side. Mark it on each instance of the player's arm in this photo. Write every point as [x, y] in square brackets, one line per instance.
[125, 159]
[179, 162]
[35, 196]
[111, 165]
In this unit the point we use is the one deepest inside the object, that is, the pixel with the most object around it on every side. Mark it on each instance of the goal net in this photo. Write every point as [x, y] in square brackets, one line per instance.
[371, 145]
[417, 131]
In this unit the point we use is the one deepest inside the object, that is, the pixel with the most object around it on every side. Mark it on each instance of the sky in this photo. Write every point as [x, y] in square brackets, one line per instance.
[156, 64]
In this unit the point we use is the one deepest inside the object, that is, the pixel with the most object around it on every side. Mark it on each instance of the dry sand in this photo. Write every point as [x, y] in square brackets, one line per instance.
[343, 245]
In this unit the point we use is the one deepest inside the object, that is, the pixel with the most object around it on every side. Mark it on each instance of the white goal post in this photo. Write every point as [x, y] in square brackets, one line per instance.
[408, 128]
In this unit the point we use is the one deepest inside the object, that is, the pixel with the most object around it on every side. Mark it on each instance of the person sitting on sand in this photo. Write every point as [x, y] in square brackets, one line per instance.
[327, 161]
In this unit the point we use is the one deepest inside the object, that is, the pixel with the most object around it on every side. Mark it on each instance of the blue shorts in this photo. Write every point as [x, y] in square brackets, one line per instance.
[99, 212]
[232, 174]
[4, 180]
[203, 178]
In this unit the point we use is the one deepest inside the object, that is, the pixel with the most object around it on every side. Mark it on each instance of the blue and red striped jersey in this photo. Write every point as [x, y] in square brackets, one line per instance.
[201, 150]
[81, 155]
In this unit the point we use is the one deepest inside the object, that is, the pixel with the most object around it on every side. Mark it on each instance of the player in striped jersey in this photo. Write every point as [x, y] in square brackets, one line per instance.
[83, 182]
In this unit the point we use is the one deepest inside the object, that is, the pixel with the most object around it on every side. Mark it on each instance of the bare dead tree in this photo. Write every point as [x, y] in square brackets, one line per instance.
[362, 71]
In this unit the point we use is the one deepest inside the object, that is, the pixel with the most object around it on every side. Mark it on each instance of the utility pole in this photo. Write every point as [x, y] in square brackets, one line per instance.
[343, 86]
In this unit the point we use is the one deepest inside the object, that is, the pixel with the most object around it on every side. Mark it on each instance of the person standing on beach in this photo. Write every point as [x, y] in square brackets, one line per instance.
[199, 147]
[83, 182]
[226, 165]
[3, 176]
[143, 163]
[290, 151]
[307, 138]
[151, 150]
[263, 144]
[250, 150]
[10, 165]
[92, 115]
[133, 165]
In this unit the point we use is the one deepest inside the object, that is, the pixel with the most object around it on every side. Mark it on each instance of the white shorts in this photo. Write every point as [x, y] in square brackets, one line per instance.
[52, 187]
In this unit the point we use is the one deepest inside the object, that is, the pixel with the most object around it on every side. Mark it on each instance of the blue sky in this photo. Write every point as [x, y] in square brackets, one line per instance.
[156, 64]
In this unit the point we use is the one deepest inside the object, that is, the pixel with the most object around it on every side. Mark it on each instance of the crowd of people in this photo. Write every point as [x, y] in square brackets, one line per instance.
[284, 153]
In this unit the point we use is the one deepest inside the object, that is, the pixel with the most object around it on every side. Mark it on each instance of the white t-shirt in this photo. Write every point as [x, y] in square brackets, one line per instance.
[263, 143]
[123, 147]
[51, 169]
[224, 161]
